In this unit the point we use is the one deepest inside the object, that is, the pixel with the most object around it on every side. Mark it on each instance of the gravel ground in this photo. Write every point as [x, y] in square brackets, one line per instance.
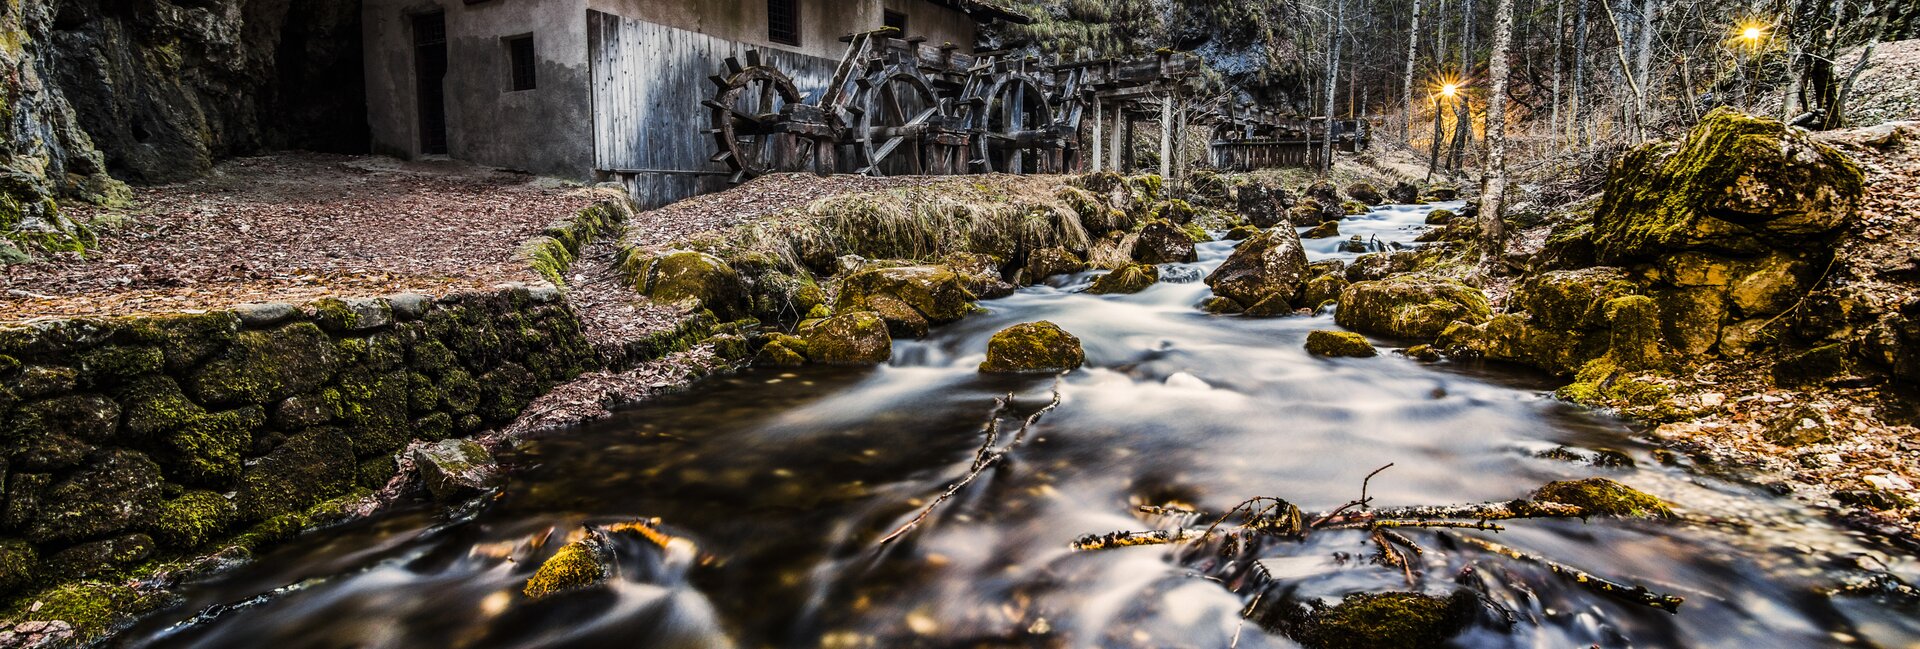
[295, 226]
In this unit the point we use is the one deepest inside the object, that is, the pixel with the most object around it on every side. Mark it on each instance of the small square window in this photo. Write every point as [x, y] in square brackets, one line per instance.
[783, 21]
[896, 20]
[520, 57]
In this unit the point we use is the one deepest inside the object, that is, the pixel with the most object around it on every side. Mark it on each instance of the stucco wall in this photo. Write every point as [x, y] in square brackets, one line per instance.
[822, 22]
[547, 130]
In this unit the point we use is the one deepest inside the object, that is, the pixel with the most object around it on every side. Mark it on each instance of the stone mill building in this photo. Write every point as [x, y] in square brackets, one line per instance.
[598, 90]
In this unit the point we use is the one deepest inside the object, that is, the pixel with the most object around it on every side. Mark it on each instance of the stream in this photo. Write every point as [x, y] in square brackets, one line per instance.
[785, 480]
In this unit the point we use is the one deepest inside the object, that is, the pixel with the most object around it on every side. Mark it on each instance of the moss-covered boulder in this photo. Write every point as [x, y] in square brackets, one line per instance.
[456, 468]
[858, 338]
[1178, 211]
[1441, 217]
[1354, 208]
[781, 350]
[1048, 262]
[1603, 497]
[59, 432]
[1323, 289]
[1339, 344]
[1735, 183]
[1410, 306]
[1261, 205]
[1034, 347]
[1304, 215]
[692, 277]
[1365, 193]
[935, 293]
[1325, 230]
[1163, 242]
[1404, 193]
[1373, 620]
[1217, 305]
[1130, 279]
[1242, 233]
[585, 563]
[1272, 264]
[1441, 191]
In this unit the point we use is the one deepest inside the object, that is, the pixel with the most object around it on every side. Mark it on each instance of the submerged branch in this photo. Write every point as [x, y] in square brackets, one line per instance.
[1609, 588]
[983, 459]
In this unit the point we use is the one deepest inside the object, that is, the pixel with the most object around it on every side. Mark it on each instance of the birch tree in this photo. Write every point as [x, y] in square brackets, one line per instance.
[1335, 22]
[1493, 192]
[1406, 86]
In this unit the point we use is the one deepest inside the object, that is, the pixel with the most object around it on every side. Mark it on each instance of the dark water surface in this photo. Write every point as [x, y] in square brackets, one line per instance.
[785, 480]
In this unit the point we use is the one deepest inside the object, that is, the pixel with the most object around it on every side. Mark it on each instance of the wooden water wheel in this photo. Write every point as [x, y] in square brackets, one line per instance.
[900, 124]
[1013, 127]
[761, 122]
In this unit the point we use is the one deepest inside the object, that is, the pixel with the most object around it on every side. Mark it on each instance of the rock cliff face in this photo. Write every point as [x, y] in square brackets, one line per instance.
[100, 92]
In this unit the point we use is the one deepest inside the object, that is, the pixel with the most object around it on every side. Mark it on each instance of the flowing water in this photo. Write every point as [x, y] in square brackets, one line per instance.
[785, 480]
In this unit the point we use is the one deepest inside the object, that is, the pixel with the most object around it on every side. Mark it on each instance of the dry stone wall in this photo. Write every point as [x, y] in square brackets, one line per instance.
[129, 440]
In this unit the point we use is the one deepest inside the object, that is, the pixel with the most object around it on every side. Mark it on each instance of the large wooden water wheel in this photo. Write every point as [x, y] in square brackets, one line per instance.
[1014, 129]
[901, 127]
[761, 123]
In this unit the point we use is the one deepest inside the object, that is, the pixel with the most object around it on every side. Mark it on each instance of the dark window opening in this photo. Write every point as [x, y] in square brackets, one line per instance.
[896, 20]
[783, 21]
[520, 53]
[430, 75]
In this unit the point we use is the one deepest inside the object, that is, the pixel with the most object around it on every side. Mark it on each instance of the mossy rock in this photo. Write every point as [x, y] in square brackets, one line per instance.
[679, 277]
[1272, 307]
[1221, 306]
[114, 493]
[1339, 344]
[582, 564]
[106, 366]
[1048, 262]
[93, 608]
[19, 561]
[1573, 300]
[1272, 264]
[1441, 217]
[1365, 193]
[1603, 497]
[1736, 183]
[1242, 233]
[1131, 279]
[1355, 208]
[193, 519]
[1323, 289]
[263, 367]
[375, 407]
[1034, 347]
[777, 354]
[1371, 620]
[1770, 285]
[60, 432]
[1178, 211]
[935, 292]
[308, 468]
[1441, 192]
[1163, 242]
[1197, 233]
[1304, 215]
[505, 392]
[857, 338]
[100, 559]
[1410, 306]
[1325, 230]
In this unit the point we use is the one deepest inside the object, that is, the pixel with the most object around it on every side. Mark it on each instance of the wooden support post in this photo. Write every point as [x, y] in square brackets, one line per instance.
[1119, 139]
[1016, 122]
[1166, 137]
[1099, 135]
[1126, 157]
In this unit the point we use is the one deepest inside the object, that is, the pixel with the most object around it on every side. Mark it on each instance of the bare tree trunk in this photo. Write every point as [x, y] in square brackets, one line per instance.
[1643, 63]
[1582, 118]
[1635, 124]
[1837, 115]
[1336, 21]
[1493, 227]
[1406, 86]
[1462, 114]
[1559, 68]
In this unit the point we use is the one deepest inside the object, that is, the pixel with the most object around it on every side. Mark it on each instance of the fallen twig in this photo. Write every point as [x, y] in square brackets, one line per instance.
[1609, 588]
